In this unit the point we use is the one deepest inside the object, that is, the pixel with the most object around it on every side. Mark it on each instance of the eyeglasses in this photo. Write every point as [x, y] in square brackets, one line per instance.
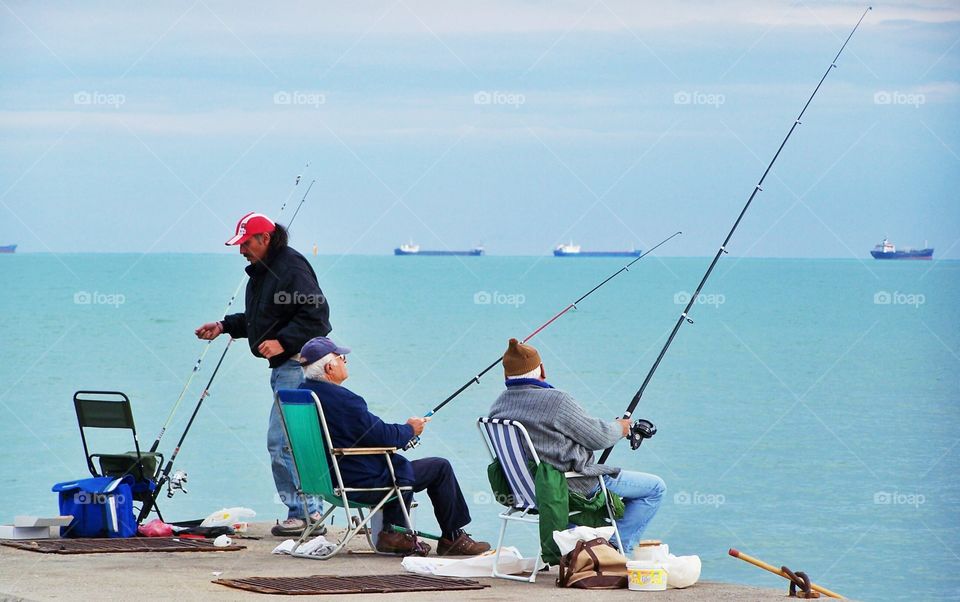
[342, 357]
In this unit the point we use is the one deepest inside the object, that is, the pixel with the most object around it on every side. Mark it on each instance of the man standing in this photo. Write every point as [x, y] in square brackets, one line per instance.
[565, 436]
[284, 309]
[351, 424]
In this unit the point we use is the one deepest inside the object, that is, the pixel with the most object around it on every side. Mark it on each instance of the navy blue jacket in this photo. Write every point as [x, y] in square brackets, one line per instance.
[284, 302]
[352, 425]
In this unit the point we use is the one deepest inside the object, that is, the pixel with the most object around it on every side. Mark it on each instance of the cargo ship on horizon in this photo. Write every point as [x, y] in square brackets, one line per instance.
[412, 249]
[572, 250]
[887, 250]
[8, 249]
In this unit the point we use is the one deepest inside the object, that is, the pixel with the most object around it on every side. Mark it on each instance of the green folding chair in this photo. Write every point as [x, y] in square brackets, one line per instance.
[315, 462]
[111, 410]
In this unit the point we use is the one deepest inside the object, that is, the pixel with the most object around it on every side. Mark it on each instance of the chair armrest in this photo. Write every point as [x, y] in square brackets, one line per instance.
[362, 451]
[573, 474]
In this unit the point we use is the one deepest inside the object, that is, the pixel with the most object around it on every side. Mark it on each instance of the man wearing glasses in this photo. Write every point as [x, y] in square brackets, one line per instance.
[351, 424]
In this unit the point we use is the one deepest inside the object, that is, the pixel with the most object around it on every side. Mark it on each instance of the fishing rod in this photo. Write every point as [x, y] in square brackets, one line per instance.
[476, 379]
[206, 346]
[684, 315]
[176, 482]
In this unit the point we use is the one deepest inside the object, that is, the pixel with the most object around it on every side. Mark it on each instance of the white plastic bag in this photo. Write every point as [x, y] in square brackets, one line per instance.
[682, 571]
[511, 563]
[318, 546]
[226, 517]
[567, 540]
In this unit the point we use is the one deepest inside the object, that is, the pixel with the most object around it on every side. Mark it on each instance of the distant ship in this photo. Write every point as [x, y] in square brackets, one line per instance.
[572, 250]
[886, 250]
[8, 249]
[412, 249]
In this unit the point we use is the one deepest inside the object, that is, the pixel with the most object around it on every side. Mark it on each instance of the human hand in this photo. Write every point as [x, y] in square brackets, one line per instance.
[417, 423]
[625, 425]
[270, 348]
[209, 331]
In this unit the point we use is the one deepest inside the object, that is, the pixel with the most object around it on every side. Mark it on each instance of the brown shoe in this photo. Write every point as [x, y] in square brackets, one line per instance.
[404, 544]
[461, 546]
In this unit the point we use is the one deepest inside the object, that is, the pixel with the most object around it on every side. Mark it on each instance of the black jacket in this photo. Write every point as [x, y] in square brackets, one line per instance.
[284, 302]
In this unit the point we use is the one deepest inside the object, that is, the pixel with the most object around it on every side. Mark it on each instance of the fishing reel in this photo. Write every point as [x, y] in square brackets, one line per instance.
[640, 430]
[415, 442]
[177, 483]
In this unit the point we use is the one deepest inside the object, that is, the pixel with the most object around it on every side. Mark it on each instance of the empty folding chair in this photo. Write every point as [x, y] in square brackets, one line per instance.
[112, 410]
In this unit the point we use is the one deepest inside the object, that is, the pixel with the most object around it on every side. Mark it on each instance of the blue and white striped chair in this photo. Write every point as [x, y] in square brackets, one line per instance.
[509, 443]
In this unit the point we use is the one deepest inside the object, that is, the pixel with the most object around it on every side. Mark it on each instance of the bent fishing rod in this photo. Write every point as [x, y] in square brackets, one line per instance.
[177, 481]
[685, 314]
[476, 379]
[206, 346]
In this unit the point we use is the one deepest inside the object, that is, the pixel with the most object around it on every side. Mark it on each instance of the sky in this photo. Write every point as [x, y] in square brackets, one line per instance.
[517, 125]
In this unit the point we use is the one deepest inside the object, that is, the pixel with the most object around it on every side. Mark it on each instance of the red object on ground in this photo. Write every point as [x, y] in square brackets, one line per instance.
[155, 528]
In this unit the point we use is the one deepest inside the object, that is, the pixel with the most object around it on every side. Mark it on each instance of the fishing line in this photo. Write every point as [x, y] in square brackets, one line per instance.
[685, 314]
[206, 346]
[476, 379]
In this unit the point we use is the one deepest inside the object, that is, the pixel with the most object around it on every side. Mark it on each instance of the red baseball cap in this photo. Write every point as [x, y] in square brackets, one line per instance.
[249, 225]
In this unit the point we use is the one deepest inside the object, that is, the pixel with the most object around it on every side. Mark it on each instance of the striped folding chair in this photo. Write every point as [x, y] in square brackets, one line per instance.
[509, 443]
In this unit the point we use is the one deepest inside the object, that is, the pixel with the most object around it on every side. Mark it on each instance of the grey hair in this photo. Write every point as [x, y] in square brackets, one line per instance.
[317, 370]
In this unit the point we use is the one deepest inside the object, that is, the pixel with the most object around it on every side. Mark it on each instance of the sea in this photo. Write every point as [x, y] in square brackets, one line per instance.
[807, 416]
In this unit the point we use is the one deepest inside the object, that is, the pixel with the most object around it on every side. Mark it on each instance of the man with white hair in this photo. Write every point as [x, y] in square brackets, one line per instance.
[351, 424]
[565, 436]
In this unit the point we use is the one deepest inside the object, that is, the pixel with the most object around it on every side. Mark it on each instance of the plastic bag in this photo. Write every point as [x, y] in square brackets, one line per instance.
[226, 517]
[155, 528]
[567, 540]
[682, 571]
[318, 546]
[511, 563]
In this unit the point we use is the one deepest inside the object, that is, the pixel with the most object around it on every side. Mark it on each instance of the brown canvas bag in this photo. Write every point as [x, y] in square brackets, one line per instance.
[593, 564]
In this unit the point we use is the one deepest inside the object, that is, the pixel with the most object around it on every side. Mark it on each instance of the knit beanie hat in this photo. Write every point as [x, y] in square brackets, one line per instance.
[519, 359]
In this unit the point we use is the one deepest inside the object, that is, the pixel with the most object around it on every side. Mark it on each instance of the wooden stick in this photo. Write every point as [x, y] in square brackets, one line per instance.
[769, 567]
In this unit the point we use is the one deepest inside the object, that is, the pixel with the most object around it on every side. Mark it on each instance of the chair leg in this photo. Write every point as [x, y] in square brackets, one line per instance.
[312, 526]
[496, 556]
[613, 521]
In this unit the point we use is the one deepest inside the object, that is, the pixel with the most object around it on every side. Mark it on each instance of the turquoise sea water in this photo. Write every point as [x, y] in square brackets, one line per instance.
[809, 416]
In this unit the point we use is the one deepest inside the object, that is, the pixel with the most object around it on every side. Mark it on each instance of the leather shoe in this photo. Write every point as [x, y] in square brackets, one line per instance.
[390, 542]
[461, 546]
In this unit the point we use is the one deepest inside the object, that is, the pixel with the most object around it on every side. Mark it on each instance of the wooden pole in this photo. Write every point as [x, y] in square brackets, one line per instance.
[769, 567]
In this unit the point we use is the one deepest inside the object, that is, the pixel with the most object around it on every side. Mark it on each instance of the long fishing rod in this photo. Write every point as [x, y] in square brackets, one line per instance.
[476, 379]
[179, 478]
[684, 315]
[206, 346]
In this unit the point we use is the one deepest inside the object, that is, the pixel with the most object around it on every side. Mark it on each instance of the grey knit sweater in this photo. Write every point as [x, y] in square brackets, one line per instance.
[562, 432]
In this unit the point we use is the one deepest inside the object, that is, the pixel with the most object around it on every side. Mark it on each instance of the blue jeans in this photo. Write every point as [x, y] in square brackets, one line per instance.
[642, 494]
[288, 375]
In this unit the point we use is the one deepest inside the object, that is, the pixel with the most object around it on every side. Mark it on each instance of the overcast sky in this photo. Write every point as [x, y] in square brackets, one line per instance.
[516, 125]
